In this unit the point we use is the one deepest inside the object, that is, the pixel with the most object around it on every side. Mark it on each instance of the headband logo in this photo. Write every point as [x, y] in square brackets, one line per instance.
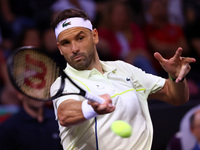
[66, 24]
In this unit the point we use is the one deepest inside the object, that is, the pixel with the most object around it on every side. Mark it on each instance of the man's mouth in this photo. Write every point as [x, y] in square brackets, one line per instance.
[78, 58]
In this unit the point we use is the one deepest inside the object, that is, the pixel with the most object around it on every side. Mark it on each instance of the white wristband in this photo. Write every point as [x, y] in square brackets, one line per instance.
[87, 110]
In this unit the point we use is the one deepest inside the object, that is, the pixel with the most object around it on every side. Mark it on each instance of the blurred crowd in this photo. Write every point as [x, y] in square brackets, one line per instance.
[129, 30]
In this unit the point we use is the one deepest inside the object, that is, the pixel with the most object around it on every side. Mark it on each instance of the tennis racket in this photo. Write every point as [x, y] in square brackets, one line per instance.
[32, 72]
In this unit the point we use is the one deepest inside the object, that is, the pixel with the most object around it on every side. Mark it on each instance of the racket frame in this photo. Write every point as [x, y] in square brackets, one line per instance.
[63, 75]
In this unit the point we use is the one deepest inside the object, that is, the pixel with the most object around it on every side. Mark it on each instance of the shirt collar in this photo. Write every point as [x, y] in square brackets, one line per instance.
[87, 73]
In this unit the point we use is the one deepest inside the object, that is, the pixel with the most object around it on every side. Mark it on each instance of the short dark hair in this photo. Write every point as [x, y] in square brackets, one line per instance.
[68, 13]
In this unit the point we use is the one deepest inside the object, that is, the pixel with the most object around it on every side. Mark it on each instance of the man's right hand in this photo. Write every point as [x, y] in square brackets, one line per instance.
[104, 108]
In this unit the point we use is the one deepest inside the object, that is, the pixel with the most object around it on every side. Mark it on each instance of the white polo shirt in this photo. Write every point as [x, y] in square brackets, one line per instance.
[129, 88]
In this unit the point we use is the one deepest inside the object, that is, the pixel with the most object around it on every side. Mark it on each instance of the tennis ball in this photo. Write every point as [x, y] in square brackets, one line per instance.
[121, 128]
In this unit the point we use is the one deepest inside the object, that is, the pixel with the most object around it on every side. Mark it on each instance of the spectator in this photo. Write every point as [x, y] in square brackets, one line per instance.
[3, 71]
[121, 38]
[19, 14]
[7, 92]
[175, 12]
[188, 137]
[87, 5]
[163, 36]
[49, 46]
[192, 34]
[6, 42]
[3, 76]
[195, 128]
[29, 37]
[175, 142]
[32, 128]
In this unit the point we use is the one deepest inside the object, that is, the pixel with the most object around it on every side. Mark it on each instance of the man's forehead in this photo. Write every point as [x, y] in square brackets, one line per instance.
[72, 32]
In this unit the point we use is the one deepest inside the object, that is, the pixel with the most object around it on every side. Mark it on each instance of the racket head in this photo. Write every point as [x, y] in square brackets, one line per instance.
[32, 72]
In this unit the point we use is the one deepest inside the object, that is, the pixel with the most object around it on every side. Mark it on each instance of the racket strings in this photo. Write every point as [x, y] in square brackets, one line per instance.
[34, 73]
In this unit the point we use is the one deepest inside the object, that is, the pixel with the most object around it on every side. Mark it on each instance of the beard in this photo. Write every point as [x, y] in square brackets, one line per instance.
[84, 62]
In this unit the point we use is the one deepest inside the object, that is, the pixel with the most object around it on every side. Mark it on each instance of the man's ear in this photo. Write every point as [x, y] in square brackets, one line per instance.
[59, 48]
[95, 36]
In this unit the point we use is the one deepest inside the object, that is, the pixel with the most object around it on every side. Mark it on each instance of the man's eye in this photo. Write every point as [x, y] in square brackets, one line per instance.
[80, 38]
[65, 43]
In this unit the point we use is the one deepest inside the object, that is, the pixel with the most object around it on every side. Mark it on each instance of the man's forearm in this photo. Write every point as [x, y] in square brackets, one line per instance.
[70, 113]
[178, 93]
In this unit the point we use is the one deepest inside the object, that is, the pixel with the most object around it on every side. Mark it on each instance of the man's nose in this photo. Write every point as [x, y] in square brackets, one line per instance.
[75, 47]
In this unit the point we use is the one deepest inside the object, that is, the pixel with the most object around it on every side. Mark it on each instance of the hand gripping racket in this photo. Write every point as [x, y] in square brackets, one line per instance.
[32, 73]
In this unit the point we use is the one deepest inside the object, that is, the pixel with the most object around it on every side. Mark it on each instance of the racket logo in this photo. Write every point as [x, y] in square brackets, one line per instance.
[35, 72]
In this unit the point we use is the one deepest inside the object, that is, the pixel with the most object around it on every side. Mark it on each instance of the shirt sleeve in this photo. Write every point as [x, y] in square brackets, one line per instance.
[69, 88]
[151, 83]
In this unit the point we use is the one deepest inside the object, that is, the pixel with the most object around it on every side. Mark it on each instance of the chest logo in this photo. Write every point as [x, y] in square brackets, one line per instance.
[99, 87]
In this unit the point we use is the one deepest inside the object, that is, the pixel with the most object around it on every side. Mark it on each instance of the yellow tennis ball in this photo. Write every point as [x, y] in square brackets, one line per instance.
[121, 128]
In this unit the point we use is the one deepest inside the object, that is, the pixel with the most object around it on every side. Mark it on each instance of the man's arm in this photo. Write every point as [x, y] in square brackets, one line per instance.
[70, 112]
[174, 92]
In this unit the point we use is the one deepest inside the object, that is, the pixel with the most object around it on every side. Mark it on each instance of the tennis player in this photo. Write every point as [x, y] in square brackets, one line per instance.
[125, 88]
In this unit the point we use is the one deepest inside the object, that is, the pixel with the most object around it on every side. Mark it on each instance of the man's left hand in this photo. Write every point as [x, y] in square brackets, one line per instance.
[177, 67]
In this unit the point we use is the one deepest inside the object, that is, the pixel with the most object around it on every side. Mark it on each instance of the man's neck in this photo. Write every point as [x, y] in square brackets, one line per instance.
[96, 64]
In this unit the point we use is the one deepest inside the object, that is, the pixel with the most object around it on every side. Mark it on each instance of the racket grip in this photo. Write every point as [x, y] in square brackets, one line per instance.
[94, 98]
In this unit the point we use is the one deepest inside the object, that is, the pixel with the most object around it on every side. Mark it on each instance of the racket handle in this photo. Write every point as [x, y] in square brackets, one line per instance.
[94, 98]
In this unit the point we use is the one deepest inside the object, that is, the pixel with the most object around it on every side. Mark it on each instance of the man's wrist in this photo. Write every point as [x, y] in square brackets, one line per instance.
[88, 111]
[174, 79]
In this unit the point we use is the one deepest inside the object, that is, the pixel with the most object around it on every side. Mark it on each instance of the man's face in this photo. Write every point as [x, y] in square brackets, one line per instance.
[78, 46]
[196, 126]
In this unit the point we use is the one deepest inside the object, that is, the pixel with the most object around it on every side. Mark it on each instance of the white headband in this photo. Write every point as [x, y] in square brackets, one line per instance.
[70, 23]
